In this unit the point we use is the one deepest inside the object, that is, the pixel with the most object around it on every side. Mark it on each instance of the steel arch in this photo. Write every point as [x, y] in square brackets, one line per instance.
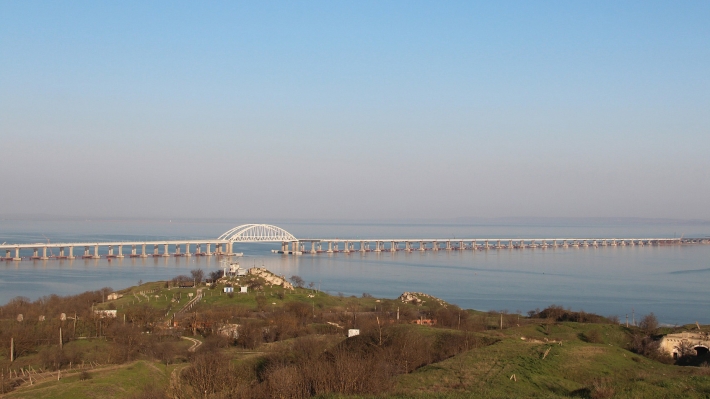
[257, 233]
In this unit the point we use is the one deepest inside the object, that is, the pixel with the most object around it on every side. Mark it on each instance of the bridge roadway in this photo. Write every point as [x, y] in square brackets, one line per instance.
[223, 245]
[299, 247]
[66, 250]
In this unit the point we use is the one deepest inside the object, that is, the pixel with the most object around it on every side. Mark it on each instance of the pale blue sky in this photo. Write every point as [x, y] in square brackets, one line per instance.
[355, 109]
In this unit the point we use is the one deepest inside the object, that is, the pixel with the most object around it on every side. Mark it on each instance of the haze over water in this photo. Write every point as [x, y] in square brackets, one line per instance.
[667, 280]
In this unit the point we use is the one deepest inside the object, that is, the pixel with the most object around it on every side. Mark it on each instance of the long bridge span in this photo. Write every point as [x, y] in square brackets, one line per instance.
[249, 233]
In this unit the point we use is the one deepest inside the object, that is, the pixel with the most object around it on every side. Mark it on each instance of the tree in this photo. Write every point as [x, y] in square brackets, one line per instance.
[297, 281]
[216, 275]
[197, 275]
[649, 324]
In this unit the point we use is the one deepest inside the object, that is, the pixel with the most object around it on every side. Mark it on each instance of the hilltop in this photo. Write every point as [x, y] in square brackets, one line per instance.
[284, 338]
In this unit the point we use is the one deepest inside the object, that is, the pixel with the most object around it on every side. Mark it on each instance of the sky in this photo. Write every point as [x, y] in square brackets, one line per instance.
[350, 110]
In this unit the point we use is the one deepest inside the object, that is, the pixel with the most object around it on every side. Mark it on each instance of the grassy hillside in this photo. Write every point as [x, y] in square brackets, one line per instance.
[293, 343]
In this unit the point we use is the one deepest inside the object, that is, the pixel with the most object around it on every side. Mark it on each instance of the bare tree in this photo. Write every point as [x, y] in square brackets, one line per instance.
[297, 281]
[197, 275]
[649, 324]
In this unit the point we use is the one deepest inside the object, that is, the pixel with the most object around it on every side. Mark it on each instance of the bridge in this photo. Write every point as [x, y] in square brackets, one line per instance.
[251, 233]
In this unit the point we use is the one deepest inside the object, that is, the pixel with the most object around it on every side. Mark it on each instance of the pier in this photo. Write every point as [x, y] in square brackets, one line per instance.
[290, 245]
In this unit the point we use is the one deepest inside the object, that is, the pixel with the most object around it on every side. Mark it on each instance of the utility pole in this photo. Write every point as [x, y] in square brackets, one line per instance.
[12, 349]
[501, 321]
[627, 320]
[61, 343]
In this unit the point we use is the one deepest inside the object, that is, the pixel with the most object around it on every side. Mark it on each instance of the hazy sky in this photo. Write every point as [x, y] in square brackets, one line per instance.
[355, 109]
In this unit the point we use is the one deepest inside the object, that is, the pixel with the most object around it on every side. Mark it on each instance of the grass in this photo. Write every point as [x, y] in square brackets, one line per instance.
[582, 361]
[113, 382]
[573, 369]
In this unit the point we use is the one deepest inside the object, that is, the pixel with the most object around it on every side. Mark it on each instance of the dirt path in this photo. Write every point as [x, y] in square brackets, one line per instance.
[195, 343]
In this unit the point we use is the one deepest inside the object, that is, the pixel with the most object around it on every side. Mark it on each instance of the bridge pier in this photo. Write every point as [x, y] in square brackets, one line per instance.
[208, 250]
[44, 254]
[330, 247]
[393, 246]
[187, 250]
[120, 252]
[166, 251]
[313, 247]
[346, 246]
[422, 246]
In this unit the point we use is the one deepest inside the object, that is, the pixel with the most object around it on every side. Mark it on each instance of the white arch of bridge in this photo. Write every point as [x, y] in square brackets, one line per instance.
[257, 233]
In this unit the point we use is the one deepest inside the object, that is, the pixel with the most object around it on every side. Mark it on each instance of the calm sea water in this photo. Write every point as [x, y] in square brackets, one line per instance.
[670, 281]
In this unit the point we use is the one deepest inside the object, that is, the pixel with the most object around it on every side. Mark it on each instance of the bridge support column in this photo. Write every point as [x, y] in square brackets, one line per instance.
[229, 248]
[434, 245]
[166, 251]
[110, 251]
[474, 246]
[330, 247]
[422, 246]
[377, 246]
[284, 246]
[448, 245]
[143, 254]
[61, 252]
[35, 253]
[313, 247]
[71, 253]
[120, 252]
[187, 249]
[486, 245]
[44, 253]
[362, 246]
[510, 244]
[17, 254]
[208, 251]
[393, 246]
[462, 246]
[346, 247]
[8, 254]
